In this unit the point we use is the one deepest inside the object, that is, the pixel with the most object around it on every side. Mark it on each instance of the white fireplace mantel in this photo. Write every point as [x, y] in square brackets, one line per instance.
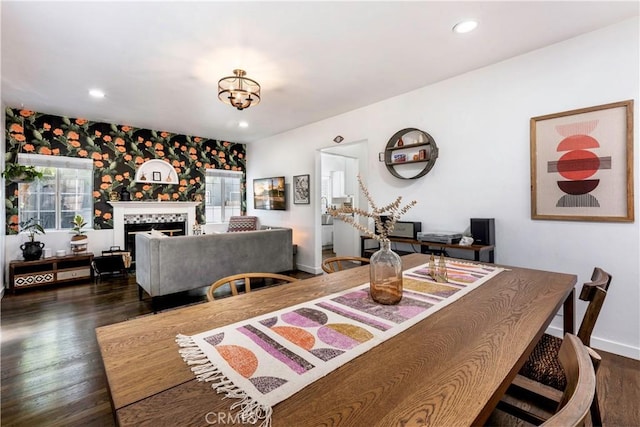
[120, 209]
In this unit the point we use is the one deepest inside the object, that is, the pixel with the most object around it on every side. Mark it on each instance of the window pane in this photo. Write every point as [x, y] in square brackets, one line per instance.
[48, 220]
[48, 202]
[66, 218]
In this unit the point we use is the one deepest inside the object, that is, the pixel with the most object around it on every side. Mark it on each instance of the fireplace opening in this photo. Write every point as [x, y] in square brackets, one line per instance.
[130, 230]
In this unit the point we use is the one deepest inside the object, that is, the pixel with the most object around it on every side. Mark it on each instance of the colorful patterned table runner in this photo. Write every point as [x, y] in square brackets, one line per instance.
[263, 360]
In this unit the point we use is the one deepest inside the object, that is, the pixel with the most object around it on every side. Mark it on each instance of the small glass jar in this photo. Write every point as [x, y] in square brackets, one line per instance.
[385, 271]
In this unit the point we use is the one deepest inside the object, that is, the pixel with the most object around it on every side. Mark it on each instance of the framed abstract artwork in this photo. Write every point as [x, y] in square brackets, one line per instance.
[301, 190]
[582, 164]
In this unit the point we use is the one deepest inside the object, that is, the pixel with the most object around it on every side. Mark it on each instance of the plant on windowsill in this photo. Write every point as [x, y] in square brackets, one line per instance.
[15, 172]
[79, 238]
[31, 250]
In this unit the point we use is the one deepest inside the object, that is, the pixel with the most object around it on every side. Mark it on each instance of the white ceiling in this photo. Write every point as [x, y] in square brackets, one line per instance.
[159, 62]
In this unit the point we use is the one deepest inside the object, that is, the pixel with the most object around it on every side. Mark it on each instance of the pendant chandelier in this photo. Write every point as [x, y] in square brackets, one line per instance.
[239, 91]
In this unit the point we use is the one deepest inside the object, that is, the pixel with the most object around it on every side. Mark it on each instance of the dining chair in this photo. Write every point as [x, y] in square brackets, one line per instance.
[245, 279]
[339, 263]
[575, 402]
[542, 374]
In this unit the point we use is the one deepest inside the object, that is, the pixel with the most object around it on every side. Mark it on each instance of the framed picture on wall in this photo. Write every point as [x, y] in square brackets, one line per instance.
[582, 164]
[270, 193]
[156, 176]
[301, 190]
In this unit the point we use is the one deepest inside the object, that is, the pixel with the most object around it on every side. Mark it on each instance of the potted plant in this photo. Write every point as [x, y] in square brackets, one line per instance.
[15, 172]
[31, 250]
[79, 238]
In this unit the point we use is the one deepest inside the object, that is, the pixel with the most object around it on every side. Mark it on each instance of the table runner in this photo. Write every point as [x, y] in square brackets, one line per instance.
[263, 360]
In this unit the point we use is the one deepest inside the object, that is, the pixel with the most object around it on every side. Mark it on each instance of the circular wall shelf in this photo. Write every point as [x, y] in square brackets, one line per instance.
[410, 153]
[156, 171]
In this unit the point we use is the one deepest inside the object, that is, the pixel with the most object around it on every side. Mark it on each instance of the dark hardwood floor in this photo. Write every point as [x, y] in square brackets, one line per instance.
[52, 372]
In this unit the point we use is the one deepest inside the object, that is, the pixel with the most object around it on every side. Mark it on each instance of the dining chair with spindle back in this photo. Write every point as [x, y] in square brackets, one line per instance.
[245, 279]
[339, 263]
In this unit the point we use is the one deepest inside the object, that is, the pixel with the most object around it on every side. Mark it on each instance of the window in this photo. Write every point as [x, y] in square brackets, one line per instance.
[66, 189]
[223, 196]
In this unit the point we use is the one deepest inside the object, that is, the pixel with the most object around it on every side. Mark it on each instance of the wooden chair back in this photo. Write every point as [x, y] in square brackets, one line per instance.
[575, 404]
[594, 292]
[333, 264]
[246, 280]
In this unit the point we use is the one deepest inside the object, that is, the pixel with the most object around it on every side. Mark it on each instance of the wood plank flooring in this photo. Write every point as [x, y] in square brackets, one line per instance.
[52, 373]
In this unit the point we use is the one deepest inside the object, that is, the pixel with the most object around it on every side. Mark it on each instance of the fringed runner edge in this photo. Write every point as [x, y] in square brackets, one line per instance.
[250, 410]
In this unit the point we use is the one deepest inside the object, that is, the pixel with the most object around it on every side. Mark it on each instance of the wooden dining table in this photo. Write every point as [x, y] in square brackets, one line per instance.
[449, 369]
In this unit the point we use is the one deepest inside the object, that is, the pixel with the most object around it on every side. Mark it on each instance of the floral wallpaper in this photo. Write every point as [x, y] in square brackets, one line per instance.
[117, 151]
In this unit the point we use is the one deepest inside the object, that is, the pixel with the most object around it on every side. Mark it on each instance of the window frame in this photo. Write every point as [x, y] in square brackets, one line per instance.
[209, 194]
[42, 162]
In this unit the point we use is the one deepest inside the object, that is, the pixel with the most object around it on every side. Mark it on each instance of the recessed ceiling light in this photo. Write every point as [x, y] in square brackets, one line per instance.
[243, 124]
[96, 93]
[465, 27]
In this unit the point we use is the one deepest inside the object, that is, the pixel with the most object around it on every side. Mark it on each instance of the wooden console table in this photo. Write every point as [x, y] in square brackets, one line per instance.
[425, 247]
[48, 271]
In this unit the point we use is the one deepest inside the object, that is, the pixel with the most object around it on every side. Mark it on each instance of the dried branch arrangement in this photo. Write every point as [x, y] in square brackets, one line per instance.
[392, 210]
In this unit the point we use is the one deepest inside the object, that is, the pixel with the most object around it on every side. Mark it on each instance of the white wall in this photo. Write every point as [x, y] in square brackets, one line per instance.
[480, 121]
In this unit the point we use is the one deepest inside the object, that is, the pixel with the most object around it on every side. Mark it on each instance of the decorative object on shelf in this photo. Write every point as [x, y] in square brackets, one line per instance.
[399, 158]
[125, 196]
[582, 164]
[301, 190]
[385, 269]
[153, 170]
[31, 250]
[239, 91]
[15, 172]
[114, 196]
[410, 153]
[439, 273]
[197, 229]
[79, 239]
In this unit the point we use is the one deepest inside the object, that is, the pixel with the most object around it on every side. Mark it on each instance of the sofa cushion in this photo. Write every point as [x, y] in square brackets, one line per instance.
[242, 223]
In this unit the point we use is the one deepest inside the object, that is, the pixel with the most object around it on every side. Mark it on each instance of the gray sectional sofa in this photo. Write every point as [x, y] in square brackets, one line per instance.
[166, 265]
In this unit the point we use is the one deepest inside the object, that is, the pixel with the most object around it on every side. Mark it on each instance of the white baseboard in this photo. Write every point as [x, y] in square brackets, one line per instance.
[606, 345]
[309, 269]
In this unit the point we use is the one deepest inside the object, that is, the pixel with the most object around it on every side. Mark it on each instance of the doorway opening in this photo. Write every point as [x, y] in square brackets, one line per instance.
[339, 169]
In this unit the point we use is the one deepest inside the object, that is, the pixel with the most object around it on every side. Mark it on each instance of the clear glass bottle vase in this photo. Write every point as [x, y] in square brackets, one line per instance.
[385, 271]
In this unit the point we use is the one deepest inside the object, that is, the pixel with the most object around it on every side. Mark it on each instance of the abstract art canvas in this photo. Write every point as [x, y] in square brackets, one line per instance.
[582, 164]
